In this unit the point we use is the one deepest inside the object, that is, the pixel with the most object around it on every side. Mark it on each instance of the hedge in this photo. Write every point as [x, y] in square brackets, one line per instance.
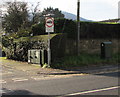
[88, 30]
[18, 50]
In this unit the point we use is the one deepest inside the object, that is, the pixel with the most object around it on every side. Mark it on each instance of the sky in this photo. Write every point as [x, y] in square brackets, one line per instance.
[96, 10]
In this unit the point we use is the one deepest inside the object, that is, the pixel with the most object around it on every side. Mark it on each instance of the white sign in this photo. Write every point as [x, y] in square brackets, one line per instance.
[49, 24]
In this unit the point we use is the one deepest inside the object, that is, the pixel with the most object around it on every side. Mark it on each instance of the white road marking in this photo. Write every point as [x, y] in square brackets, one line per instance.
[37, 78]
[93, 91]
[42, 78]
[19, 79]
[2, 81]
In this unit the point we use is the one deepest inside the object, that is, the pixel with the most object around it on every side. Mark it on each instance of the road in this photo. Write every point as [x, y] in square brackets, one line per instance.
[90, 84]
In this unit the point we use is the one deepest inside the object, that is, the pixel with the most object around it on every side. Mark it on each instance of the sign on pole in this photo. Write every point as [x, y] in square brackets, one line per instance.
[49, 24]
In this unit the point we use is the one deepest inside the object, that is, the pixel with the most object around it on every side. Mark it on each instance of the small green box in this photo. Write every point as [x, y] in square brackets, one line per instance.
[106, 50]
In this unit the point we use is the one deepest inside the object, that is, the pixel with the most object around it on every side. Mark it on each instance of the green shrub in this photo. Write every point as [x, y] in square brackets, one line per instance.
[5, 41]
[66, 26]
[22, 33]
[38, 29]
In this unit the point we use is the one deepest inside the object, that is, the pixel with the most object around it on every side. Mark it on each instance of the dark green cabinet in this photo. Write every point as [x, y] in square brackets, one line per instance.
[106, 50]
[36, 56]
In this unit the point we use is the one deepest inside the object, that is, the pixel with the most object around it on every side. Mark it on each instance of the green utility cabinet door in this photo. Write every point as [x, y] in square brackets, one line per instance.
[30, 56]
[42, 57]
[37, 56]
[106, 50]
[33, 55]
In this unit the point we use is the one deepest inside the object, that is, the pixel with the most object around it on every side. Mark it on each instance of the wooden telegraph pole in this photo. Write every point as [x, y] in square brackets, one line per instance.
[78, 27]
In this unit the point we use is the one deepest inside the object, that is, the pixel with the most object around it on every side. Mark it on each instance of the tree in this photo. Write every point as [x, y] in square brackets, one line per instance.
[35, 12]
[50, 10]
[18, 16]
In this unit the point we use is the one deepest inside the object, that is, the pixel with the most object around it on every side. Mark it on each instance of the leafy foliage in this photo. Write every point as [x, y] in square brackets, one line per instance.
[51, 11]
[35, 14]
[16, 17]
[18, 50]
[57, 13]
[5, 41]
[66, 26]
[38, 29]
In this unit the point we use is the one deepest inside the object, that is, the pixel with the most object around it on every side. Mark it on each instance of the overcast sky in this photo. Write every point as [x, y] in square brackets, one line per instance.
[90, 9]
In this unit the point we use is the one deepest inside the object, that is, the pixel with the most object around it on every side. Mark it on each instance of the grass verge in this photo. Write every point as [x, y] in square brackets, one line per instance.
[85, 60]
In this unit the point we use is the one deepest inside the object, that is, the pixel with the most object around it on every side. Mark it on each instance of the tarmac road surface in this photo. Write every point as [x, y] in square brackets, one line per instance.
[91, 84]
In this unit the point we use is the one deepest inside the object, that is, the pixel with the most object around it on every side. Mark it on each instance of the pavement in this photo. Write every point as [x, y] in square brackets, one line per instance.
[36, 69]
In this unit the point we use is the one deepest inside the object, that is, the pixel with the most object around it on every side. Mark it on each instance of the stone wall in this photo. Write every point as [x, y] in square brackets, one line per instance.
[90, 46]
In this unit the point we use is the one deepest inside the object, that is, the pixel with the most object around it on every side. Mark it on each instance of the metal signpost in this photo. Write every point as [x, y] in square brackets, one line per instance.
[49, 24]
